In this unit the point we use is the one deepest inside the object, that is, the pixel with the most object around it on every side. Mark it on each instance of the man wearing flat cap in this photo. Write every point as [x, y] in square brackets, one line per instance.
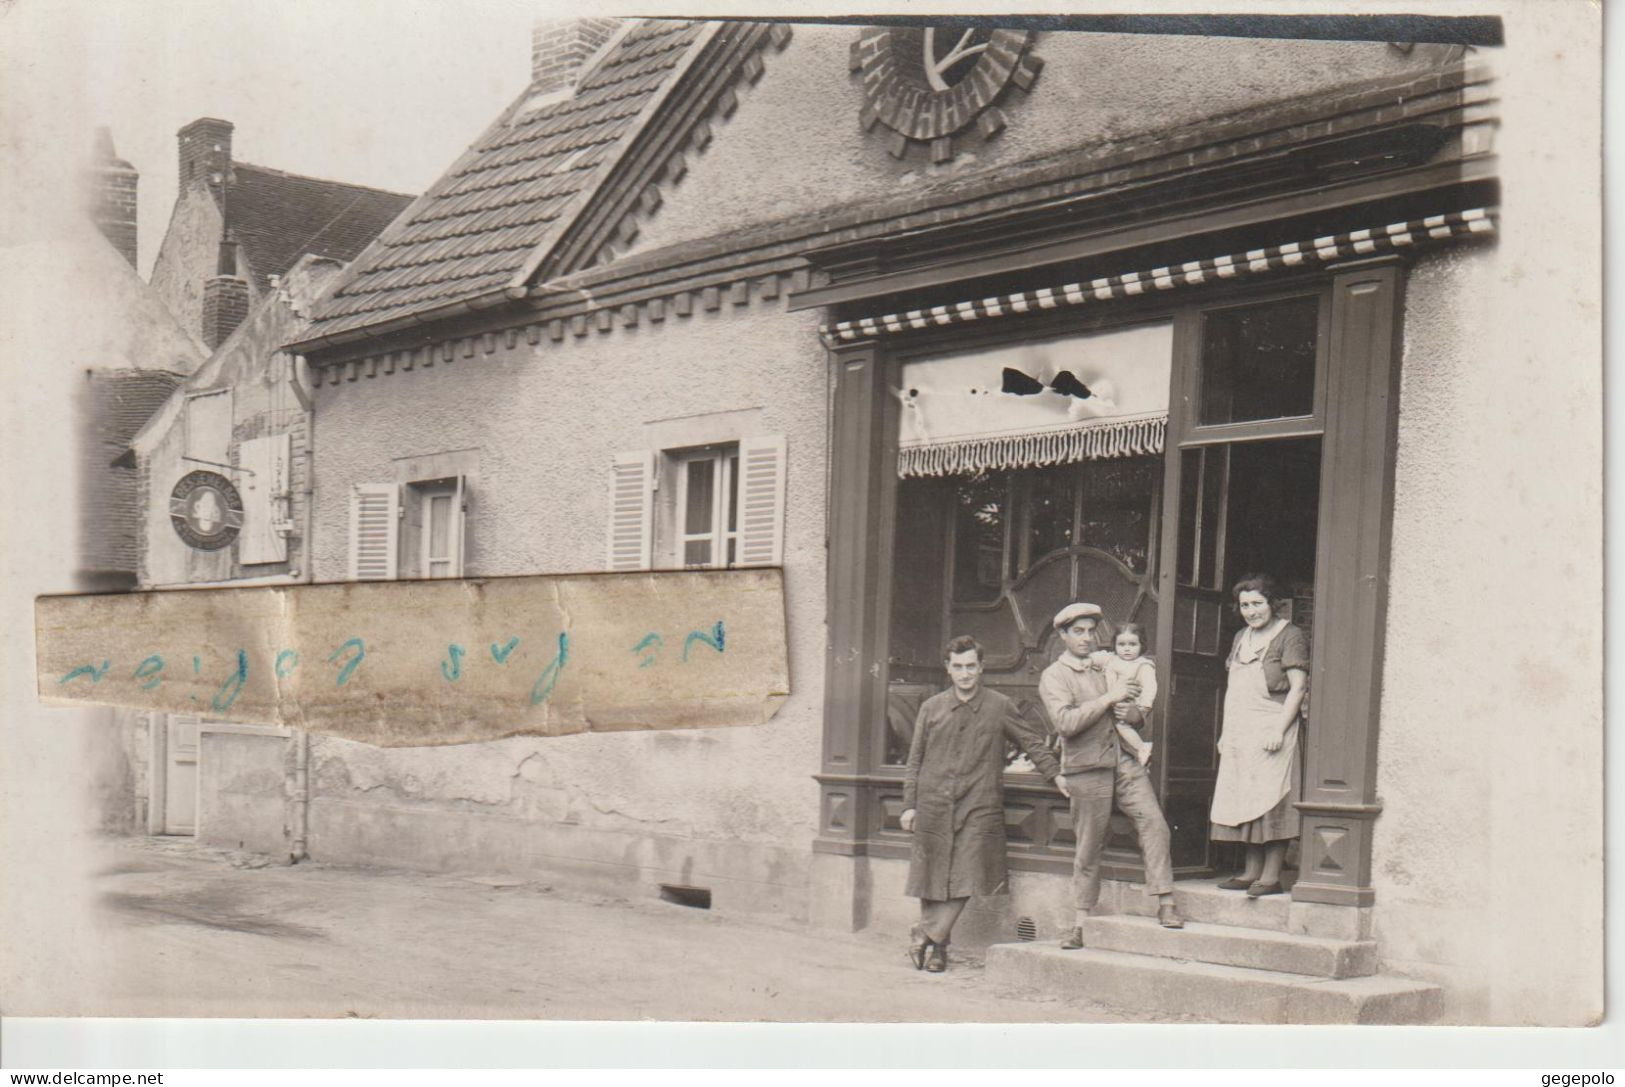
[1081, 701]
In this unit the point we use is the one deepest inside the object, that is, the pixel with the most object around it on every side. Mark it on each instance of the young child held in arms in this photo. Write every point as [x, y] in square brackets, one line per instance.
[1128, 664]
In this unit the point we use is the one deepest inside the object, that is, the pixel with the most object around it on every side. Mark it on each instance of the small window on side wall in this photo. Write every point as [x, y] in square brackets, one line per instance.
[707, 507]
[722, 506]
[410, 530]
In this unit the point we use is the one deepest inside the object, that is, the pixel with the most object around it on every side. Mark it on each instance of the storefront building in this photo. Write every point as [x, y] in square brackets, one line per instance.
[957, 326]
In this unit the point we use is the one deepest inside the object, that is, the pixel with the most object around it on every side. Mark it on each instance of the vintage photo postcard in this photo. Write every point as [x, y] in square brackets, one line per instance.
[582, 515]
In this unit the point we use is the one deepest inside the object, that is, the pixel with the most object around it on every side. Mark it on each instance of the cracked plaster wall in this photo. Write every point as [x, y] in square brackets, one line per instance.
[545, 422]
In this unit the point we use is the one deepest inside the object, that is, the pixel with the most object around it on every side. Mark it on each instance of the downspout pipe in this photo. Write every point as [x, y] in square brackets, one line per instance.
[299, 791]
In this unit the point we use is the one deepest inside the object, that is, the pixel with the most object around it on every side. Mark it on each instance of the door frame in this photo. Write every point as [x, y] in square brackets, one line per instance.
[1184, 434]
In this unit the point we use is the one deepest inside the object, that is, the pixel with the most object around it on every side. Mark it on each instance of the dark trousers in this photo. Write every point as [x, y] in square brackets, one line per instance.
[1093, 794]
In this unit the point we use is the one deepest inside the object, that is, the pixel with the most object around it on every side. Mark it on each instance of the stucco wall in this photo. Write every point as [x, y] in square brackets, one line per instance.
[545, 422]
[1488, 852]
[1094, 89]
[189, 254]
[263, 403]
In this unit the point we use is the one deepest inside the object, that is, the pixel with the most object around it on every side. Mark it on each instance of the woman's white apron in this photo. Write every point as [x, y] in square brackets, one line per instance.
[1251, 780]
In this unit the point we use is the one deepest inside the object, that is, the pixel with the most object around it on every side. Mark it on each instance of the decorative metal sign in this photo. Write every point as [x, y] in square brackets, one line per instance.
[206, 510]
[929, 84]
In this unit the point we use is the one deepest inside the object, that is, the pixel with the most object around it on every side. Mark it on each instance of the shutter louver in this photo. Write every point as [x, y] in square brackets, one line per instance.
[761, 501]
[630, 528]
[374, 528]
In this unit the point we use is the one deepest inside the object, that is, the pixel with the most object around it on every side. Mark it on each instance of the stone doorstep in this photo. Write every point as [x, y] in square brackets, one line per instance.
[1227, 945]
[1203, 901]
[1208, 992]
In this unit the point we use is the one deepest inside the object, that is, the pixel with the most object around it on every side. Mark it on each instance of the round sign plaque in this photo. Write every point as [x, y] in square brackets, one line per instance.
[206, 510]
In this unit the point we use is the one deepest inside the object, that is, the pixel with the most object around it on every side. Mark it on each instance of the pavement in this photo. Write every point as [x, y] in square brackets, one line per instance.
[197, 932]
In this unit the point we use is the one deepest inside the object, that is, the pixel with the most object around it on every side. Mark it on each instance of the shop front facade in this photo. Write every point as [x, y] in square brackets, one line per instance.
[972, 353]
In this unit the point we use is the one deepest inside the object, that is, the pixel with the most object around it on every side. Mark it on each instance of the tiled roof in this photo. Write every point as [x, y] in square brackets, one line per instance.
[278, 217]
[120, 402]
[515, 189]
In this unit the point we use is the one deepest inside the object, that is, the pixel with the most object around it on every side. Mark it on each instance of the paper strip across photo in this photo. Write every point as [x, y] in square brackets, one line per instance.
[407, 663]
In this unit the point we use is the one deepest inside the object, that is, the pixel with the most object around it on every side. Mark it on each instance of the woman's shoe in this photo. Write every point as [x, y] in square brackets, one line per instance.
[1074, 940]
[1259, 889]
[937, 960]
[1235, 883]
[918, 944]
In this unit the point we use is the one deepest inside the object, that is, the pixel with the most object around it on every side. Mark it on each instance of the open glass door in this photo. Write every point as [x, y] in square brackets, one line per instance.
[1241, 496]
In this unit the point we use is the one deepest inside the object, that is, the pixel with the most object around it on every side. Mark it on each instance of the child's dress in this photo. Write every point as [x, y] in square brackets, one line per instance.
[1142, 670]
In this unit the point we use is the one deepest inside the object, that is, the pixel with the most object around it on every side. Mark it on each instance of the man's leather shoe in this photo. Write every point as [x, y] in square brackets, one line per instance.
[1168, 916]
[1073, 941]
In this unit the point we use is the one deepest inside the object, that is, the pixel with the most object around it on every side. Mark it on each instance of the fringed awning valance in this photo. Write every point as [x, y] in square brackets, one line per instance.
[1323, 250]
[1127, 436]
[1103, 394]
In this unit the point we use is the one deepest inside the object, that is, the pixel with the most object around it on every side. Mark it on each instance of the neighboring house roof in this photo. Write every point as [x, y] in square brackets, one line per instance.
[278, 217]
[487, 223]
[120, 402]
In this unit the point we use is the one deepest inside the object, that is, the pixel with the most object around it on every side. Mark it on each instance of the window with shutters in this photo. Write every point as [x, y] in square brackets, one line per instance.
[710, 506]
[408, 530]
[432, 519]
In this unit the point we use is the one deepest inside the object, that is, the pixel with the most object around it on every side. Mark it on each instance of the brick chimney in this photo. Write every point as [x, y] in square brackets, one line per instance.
[225, 298]
[205, 154]
[112, 196]
[559, 48]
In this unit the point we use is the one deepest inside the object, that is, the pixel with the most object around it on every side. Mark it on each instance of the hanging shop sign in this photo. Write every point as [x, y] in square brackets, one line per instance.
[929, 85]
[206, 510]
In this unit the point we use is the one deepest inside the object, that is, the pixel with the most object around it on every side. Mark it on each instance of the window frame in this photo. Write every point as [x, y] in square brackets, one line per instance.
[1190, 333]
[725, 457]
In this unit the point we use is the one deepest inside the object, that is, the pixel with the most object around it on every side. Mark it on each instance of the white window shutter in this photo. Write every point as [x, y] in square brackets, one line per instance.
[374, 531]
[761, 501]
[263, 482]
[631, 534]
[459, 525]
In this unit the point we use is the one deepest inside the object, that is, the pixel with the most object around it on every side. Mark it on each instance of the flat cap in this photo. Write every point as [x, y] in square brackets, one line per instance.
[1073, 612]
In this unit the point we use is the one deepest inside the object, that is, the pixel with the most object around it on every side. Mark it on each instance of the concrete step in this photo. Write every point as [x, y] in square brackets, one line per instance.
[1226, 945]
[1204, 902]
[1171, 989]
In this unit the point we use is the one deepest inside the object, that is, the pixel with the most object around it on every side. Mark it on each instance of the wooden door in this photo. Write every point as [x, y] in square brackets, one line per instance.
[180, 775]
[1241, 496]
[1197, 641]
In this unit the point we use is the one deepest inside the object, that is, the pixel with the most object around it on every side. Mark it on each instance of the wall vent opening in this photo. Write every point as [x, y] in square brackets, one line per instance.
[1026, 929]
[698, 898]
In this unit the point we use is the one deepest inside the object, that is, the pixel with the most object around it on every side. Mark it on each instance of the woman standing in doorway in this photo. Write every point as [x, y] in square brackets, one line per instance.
[1268, 676]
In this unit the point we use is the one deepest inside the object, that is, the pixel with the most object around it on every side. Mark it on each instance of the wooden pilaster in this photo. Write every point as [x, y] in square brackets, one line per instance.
[1339, 801]
[863, 482]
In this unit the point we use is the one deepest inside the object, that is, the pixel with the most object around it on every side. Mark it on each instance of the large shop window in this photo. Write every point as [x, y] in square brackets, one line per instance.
[1040, 474]
[1031, 476]
[704, 507]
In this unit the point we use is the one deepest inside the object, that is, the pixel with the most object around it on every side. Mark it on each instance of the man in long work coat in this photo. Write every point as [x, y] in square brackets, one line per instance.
[953, 798]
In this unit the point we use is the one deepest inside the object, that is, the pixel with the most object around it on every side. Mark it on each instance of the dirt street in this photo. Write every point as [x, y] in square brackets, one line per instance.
[196, 932]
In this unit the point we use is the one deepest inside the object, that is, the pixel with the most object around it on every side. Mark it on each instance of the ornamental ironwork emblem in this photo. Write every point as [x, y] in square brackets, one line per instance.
[933, 85]
[206, 510]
